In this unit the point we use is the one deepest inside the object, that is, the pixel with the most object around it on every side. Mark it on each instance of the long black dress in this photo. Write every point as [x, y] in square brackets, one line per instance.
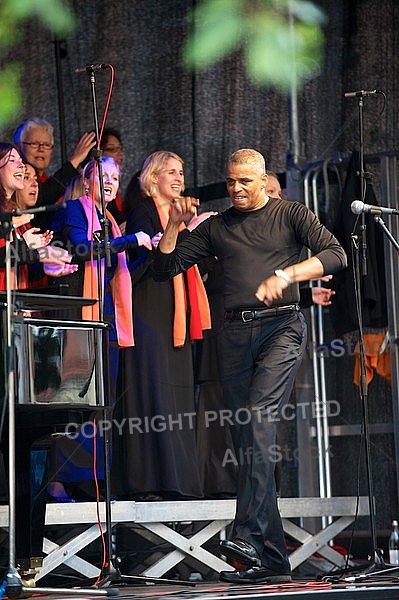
[160, 445]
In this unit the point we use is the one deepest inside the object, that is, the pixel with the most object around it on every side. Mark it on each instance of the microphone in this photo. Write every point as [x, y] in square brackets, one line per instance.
[91, 68]
[361, 93]
[33, 211]
[358, 207]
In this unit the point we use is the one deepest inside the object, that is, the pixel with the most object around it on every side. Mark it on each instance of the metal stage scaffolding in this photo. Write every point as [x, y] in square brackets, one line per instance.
[157, 521]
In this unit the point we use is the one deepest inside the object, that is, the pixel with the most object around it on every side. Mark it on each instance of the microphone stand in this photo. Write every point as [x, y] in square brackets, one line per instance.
[378, 566]
[13, 578]
[362, 174]
[362, 269]
[110, 573]
[13, 581]
[104, 234]
[377, 563]
[377, 560]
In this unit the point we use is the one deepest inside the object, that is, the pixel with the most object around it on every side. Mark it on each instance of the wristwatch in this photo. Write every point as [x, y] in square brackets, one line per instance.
[283, 275]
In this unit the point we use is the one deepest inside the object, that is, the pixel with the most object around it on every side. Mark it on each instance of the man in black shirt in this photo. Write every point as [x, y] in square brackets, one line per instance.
[258, 242]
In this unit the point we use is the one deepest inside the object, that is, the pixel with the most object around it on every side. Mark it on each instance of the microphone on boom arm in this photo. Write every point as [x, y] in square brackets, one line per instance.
[91, 68]
[358, 207]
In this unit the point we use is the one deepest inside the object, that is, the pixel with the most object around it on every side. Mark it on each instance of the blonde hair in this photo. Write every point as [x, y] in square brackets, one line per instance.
[153, 164]
[90, 166]
[74, 189]
[249, 156]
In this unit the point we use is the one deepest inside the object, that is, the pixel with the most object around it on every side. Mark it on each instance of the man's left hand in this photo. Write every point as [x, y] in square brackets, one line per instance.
[271, 289]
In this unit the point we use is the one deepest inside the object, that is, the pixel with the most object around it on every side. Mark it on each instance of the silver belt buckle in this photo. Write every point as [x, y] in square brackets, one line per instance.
[250, 317]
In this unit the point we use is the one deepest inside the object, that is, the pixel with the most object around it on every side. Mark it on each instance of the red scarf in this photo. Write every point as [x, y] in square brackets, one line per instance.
[20, 282]
[192, 292]
[121, 283]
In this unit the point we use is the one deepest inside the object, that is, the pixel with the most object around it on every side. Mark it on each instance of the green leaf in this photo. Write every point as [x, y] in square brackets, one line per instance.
[279, 53]
[10, 93]
[54, 14]
[282, 39]
[217, 29]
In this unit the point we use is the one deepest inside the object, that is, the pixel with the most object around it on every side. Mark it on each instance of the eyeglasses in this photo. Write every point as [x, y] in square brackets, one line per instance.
[114, 149]
[37, 145]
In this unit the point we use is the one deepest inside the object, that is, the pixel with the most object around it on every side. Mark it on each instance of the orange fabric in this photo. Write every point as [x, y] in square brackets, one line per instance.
[3, 283]
[200, 316]
[376, 361]
[121, 284]
[16, 283]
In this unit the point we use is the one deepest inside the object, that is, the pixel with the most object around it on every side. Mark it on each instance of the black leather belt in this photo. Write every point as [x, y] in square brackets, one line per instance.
[246, 316]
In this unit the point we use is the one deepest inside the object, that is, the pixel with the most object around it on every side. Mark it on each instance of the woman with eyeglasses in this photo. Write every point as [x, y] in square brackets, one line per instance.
[111, 145]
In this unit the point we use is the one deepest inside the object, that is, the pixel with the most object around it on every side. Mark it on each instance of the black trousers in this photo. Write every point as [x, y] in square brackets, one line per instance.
[259, 361]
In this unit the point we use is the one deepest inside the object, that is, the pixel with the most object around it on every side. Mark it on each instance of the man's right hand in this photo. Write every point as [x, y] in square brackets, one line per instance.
[183, 209]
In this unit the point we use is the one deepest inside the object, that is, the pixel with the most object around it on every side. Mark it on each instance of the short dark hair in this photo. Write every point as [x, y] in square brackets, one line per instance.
[106, 133]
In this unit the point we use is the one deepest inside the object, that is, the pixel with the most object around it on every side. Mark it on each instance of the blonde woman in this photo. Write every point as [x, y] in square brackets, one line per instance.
[168, 318]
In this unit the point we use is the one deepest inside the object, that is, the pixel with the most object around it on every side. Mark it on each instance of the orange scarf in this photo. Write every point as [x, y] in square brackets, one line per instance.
[193, 290]
[377, 358]
[121, 283]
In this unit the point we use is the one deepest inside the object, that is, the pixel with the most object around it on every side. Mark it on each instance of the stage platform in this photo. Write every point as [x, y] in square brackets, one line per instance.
[71, 528]
[157, 521]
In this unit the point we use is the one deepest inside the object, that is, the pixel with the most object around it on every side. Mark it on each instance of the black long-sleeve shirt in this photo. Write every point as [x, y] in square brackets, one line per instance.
[251, 246]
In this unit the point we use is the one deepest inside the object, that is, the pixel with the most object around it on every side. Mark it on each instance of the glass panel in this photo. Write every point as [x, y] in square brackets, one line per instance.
[57, 365]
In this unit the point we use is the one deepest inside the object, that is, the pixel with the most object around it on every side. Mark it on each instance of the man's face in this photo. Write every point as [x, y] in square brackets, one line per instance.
[273, 188]
[37, 148]
[245, 186]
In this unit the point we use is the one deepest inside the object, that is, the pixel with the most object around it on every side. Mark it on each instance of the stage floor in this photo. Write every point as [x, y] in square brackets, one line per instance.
[316, 590]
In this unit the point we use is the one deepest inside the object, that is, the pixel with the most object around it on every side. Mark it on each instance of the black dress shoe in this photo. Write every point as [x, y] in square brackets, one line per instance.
[255, 575]
[241, 551]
